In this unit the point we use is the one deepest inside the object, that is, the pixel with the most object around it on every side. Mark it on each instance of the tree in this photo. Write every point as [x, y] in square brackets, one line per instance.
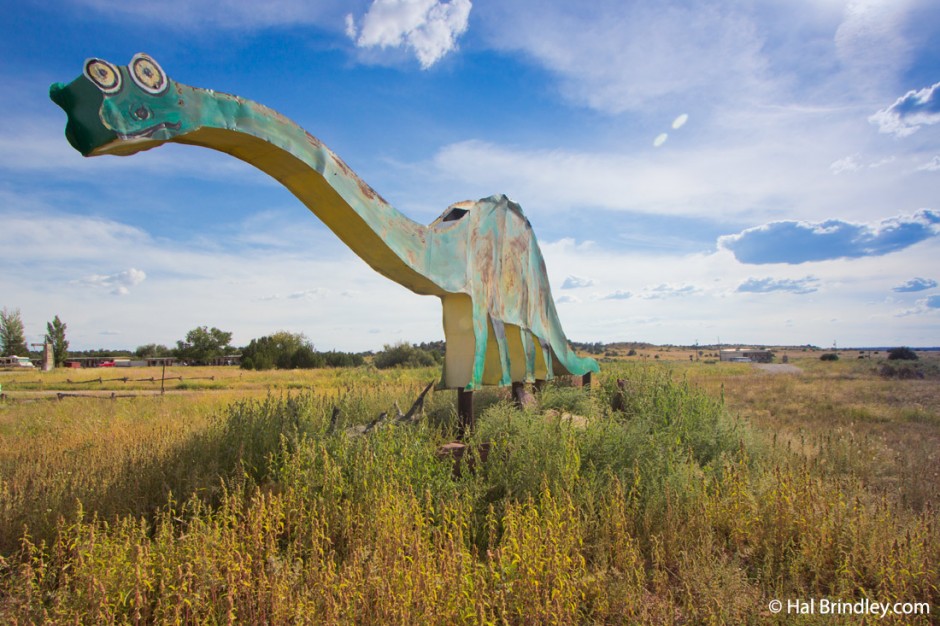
[152, 351]
[203, 344]
[283, 350]
[403, 355]
[12, 334]
[55, 334]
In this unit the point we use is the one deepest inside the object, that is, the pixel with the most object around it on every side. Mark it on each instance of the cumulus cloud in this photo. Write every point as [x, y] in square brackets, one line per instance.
[119, 284]
[430, 28]
[618, 295]
[923, 306]
[809, 284]
[795, 242]
[909, 112]
[568, 299]
[916, 284]
[576, 282]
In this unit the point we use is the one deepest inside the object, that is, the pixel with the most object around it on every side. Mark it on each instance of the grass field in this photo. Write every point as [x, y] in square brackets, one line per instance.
[699, 495]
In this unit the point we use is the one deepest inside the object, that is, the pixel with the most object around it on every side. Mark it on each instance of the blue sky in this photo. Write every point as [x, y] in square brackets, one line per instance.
[754, 172]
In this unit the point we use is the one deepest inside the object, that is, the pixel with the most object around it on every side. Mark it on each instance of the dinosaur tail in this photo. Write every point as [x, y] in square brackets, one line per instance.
[565, 360]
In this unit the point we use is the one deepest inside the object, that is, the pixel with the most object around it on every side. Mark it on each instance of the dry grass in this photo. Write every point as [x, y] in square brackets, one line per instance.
[669, 511]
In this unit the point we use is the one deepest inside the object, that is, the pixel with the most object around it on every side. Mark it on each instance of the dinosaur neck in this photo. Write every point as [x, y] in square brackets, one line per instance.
[391, 243]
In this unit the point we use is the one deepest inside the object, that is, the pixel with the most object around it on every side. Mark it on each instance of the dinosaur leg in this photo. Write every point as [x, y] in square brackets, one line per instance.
[480, 338]
[528, 347]
[499, 333]
[547, 355]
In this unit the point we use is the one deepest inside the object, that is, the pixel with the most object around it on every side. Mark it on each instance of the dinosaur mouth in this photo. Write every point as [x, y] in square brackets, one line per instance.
[147, 133]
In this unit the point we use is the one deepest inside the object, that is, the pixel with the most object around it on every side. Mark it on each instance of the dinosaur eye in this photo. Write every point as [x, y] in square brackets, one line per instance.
[103, 74]
[148, 74]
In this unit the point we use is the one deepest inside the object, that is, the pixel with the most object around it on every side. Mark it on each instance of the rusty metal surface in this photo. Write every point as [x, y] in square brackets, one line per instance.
[481, 258]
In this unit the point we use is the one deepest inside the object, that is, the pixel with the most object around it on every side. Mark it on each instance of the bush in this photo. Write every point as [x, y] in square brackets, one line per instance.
[829, 356]
[342, 359]
[901, 354]
[404, 355]
[285, 350]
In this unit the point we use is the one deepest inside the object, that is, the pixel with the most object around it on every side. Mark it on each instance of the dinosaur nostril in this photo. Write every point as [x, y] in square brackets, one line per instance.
[142, 113]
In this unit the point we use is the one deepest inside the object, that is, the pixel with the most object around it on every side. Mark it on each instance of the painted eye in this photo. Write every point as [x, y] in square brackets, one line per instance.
[148, 74]
[104, 75]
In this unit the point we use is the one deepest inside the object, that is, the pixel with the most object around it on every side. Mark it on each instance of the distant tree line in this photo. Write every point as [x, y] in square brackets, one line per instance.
[281, 350]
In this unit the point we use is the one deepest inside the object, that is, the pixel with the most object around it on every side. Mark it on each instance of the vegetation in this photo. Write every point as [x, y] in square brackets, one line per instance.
[405, 355]
[829, 356]
[12, 334]
[203, 345]
[901, 354]
[708, 491]
[285, 350]
[55, 335]
[153, 351]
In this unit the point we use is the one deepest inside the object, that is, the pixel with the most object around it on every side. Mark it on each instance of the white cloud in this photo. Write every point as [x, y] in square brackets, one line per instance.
[680, 121]
[853, 163]
[430, 28]
[933, 165]
[576, 282]
[118, 284]
[908, 113]
[660, 139]
[846, 164]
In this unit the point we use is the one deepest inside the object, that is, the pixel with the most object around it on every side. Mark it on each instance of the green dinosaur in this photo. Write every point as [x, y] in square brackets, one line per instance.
[480, 258]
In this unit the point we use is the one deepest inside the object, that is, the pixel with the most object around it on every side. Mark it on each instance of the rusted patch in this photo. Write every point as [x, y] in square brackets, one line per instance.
[313, 141]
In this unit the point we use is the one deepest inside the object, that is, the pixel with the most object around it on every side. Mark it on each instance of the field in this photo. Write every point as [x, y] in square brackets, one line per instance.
[698, 494]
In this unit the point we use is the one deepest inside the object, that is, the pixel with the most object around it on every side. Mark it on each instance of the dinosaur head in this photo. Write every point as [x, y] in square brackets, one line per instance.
[121, 109]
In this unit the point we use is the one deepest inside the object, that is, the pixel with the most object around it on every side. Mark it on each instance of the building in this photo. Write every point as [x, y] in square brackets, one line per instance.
[747, 355]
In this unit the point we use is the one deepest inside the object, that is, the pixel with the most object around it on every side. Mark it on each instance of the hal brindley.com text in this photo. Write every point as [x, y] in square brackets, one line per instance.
[826, 606]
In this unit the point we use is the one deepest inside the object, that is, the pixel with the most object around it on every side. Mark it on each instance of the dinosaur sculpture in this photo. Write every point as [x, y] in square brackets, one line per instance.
[480, 258]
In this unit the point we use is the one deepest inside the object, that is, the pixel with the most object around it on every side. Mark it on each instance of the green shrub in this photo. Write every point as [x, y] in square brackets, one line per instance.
[404, 355]
[901, 354]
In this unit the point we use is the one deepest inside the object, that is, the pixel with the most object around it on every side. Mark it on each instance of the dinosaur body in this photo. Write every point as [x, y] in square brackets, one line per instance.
[481, 258]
